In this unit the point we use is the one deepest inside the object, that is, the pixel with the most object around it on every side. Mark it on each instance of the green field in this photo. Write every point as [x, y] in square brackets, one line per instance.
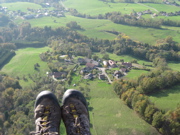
[21, 6]
[163, 7]
[110, 116]
[174, 65]
[166, 99]
[23, 62]
[95, 28]
[95, 7]
[134, 74]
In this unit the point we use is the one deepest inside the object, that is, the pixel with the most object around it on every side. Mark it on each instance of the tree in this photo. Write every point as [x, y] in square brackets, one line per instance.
[140, 106]
[95, 57]
[7, 96]
[3, 20]
[157, 119]
[106, 56]
[73, 25]
[149, 112]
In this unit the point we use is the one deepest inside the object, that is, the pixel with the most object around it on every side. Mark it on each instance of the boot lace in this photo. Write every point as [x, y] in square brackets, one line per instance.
[44, 122]
[77, 126]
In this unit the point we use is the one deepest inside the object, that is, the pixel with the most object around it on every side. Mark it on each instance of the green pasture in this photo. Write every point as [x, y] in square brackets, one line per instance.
[162, 7]
[174, 66]
[174, 18]
[177, 29]
[21, 6]
[95, 7]
[166, 99]
[96, 28]
[110, 116]
[23, 62]
[134, 74]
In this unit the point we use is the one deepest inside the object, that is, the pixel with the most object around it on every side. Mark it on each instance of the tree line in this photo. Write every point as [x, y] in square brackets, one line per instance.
[133, 19]
[67, 41]
[133, 93]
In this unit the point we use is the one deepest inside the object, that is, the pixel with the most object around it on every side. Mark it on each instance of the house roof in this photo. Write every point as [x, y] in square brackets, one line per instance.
[127, 64]
[123, 69]
[111, 62]
[90, 65]
[58, 74]
[117, 72]
[92, 61]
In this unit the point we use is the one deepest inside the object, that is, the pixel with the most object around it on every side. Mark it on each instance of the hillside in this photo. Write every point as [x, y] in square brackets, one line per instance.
[123, 55]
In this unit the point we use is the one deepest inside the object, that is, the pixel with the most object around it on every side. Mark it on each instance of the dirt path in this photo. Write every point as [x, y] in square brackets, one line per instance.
[104, 72]
[63, 5]
[148, 7]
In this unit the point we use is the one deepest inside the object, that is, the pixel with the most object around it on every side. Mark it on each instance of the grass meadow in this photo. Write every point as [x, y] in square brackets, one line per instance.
[166, 99]
[95, 7]
[109, 115]
[134, 74]
[23, 62]
[21, 6]
[174, 66]
[163, 7]
[95, 28]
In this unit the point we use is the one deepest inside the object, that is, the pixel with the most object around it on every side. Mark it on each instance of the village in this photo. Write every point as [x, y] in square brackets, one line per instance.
[91, 69]
[47, 10]
[33, 13]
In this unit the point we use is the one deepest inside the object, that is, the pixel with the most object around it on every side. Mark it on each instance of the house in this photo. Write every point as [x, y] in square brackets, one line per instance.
[39, 15]
[90, 65]
[95, 63]
[112, 63]
[89, 76]
[155, 15]
[85, 70]
[127, 64]
[117, 74]
[92, 61]
[81, 61]
[88, 60]
[105, 63]
[102, 77]
[124, 70]
[28, 17]
[58, 75]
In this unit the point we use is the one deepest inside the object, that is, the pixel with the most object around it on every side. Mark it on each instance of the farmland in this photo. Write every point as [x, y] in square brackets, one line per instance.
[26, 58]
[166, 99]
[134, 99]
[109, 114]
[96, 28]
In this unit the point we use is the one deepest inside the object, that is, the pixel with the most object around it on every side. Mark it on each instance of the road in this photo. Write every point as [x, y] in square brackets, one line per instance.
[147, 6]
[63, 5]
[104, 72]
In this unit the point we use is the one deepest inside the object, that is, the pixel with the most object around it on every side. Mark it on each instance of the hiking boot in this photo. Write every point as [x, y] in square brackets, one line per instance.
[75, 113]
[47, 114]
